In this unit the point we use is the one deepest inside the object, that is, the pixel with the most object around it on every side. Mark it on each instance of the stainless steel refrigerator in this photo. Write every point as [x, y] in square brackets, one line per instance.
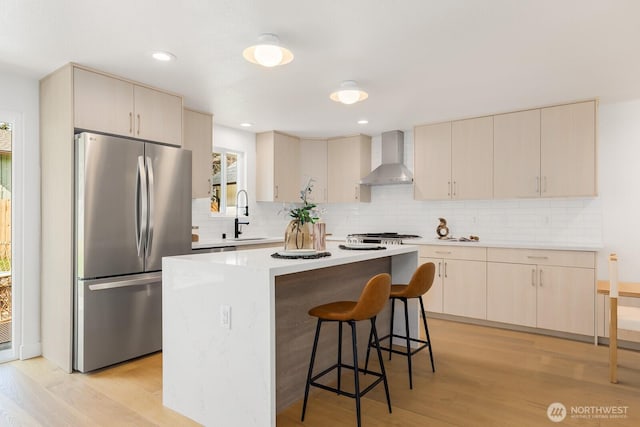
[133, 206]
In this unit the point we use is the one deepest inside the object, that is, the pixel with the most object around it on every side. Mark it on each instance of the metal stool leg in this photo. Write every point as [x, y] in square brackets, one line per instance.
[393, 309]
[339, 355]
[406, 323]
[355, 368]
[366, 360]
[313, 358]
[384, 373]
[426, 331]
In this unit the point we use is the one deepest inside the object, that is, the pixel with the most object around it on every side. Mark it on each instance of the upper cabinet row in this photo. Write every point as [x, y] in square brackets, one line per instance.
[108, 104]
[547, 152]
[285, 163]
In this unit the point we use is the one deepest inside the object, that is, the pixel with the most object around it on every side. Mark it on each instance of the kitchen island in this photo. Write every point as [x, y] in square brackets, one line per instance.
[236, 333]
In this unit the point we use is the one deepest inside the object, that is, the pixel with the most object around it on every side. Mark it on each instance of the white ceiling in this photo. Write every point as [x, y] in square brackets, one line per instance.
[420, 60]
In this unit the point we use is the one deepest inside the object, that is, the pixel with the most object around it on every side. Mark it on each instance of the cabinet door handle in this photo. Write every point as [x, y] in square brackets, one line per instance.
[454, 188]
[209, 186]
[276, 195]
[449, 188]
[326, 196]
[130, 122]
[445, 269]
[533, 277]
[541, 282]
[544, 190]
[356, 193]
[537, 185]
[138, 124]
[439, 266]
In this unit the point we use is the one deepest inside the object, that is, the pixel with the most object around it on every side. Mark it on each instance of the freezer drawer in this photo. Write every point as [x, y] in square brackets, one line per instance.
[116, 320]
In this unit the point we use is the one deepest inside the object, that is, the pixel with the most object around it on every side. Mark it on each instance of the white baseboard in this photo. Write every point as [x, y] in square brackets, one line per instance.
[29, 351]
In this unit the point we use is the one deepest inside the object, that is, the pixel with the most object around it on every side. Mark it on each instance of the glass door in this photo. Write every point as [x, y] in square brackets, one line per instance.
[6, 294]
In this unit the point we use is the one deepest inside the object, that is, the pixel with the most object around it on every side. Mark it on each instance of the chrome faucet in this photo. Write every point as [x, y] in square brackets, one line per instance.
[237, 222]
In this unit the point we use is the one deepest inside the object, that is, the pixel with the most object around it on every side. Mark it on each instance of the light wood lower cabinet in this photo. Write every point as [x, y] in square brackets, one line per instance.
[433, 299]
[465, 288]
[554, 291]
[460, 284]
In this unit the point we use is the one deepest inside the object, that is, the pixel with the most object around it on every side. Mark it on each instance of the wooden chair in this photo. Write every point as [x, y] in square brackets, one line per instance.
[621, 317]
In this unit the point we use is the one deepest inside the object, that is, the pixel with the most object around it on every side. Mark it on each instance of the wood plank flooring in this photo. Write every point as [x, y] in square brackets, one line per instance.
[484, 377]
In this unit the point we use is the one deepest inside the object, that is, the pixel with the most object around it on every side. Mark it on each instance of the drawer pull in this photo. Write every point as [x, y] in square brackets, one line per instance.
[444, 252]
[537, 257]
[533, 277]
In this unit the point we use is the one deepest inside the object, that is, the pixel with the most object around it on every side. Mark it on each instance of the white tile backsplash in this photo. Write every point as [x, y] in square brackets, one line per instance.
[392, 209]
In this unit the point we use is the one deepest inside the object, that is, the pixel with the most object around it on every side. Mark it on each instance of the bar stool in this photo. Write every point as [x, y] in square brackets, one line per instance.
[372, 299]
[420, 283]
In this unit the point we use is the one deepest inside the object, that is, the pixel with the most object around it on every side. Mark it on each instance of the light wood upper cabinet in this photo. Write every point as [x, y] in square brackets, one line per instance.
[349, 160]
[313, 164]
[568, 150]
[198, 137]
[432, 162]
[102, 103]
[472, 158]
[516, 159]
[116, 106]
[454, 160]
[158, 115]
[277, 167]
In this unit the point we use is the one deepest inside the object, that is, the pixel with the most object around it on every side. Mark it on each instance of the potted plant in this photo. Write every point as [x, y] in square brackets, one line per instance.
[299, 232]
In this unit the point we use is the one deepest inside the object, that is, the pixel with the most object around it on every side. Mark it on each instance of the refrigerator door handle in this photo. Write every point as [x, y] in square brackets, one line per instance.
[141, 206]
[103, 284]
[151, 204]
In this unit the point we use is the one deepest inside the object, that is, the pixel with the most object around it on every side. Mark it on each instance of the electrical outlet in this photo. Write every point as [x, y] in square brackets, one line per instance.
[225, 316]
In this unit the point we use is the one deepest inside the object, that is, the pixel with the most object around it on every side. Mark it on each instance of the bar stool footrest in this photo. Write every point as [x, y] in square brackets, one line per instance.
[392, 350]
[341, 392]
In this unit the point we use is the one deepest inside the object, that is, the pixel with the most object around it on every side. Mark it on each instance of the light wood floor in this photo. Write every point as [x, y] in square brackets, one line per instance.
[484, 377]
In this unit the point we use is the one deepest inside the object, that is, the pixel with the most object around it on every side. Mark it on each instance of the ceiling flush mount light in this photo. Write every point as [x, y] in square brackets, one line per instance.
[349, 93]
[163, 56]
[363, 122]
[246, 124]
[268, 52]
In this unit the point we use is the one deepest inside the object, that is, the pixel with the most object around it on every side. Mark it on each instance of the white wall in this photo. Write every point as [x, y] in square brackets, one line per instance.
[619, 179]
[19, 96]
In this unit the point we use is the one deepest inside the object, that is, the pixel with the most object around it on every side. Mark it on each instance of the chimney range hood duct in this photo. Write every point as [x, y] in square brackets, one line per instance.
[391, 171]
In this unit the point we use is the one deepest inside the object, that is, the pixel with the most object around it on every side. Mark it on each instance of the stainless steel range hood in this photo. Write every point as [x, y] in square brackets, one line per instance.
[392, 170]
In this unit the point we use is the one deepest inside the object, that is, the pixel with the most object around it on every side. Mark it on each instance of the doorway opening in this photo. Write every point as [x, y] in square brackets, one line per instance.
[6, 298]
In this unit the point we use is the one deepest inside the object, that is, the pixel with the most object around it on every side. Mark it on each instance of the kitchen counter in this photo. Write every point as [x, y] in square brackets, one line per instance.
[221, 243]
[512, 245]
[227, 375]
[495, 244]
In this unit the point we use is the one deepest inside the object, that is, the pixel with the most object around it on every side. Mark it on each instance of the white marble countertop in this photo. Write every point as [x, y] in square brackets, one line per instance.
[245, 241]
[497, 244]
[260, 259]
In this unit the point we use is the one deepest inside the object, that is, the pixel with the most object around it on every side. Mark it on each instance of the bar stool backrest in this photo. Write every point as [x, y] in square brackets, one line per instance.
[373, 298]
[421, 281]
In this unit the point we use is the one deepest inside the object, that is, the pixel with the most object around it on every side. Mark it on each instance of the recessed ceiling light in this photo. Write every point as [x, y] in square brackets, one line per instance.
[163, 56]
[363, 122]
[246, 125]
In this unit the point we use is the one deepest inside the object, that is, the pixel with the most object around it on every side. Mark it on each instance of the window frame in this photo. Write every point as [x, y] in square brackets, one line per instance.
[241, 170]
